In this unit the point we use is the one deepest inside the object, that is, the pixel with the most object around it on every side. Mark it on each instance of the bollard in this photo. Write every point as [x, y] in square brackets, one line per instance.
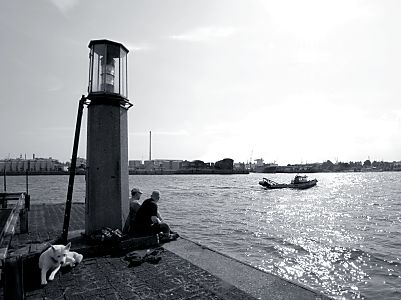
[23, 220]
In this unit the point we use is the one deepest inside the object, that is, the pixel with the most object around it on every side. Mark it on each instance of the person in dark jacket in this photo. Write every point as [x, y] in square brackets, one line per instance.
[148, 220]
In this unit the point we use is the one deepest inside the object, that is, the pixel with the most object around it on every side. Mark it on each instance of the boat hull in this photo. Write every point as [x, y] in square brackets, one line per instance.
[298, 186]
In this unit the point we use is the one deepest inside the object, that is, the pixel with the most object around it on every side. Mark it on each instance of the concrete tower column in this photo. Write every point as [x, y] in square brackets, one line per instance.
[107, 187]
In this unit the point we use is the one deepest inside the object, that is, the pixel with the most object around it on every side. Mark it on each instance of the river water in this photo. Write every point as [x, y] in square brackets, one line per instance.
[342, 237]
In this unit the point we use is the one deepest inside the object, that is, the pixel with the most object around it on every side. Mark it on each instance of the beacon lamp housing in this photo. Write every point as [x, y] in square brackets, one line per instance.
[108, 73]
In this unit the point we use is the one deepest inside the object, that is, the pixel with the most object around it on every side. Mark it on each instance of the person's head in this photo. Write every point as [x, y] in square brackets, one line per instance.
[155, 195]
[136, 194]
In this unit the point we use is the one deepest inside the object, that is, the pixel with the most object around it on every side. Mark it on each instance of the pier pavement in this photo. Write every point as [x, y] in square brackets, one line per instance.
[185, 269]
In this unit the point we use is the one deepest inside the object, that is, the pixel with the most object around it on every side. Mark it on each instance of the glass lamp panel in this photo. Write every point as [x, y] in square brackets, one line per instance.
[90, 70]
[117, 76]
[107, 71]
[123, 72]
[98, 54]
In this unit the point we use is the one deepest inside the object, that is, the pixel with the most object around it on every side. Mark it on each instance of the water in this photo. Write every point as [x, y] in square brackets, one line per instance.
[342, 237]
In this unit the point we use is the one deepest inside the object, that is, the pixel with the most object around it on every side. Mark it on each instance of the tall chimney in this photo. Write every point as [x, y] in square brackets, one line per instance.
[150, 145]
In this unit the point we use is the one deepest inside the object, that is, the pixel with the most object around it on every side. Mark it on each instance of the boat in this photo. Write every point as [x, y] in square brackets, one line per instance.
[299, 182]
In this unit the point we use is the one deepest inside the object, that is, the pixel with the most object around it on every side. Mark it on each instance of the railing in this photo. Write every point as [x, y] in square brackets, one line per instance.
[9, 216]
[5, 197]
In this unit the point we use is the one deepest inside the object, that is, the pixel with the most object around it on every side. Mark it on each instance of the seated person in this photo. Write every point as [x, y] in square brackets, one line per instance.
[134, 206]
[148, 221]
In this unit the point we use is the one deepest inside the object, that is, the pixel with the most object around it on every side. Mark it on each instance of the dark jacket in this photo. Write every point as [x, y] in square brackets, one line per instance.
[143, 225]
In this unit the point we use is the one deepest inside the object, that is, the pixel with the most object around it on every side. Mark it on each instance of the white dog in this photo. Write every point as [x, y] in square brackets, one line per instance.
[52, 259]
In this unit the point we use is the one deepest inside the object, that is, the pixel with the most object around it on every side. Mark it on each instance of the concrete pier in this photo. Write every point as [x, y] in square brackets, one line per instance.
[184, 270]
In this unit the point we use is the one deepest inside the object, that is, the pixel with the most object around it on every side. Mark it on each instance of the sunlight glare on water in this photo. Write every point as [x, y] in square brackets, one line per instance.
[342, 237]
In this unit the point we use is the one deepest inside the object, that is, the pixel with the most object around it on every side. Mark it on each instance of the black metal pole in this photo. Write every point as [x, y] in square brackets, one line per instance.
[5, 181]
[26, 180]
[66, 224]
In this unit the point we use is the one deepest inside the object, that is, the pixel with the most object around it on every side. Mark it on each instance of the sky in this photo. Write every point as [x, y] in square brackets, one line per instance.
[287, 81]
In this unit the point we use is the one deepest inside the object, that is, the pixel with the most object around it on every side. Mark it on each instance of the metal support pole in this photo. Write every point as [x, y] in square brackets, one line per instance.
[26, 181]
[72, 171]
[5, 181]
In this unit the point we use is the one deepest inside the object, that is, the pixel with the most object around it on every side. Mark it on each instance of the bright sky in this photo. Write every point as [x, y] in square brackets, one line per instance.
[287, 81]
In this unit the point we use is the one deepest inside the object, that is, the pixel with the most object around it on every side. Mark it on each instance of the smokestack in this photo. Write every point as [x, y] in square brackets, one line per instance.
[150, 145]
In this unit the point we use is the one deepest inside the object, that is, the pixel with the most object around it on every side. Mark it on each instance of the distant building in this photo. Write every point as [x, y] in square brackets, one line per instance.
[224, 164]
[81, 162]
[170, 165]
[261, 167]
[135, 165]
[259, 162]
[396, 166]
[195, 165]
[33, 165]
[239, 166]
[156, 164]
[149, 165]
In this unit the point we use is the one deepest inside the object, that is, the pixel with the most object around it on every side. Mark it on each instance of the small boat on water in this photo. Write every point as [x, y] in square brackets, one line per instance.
[299, 182]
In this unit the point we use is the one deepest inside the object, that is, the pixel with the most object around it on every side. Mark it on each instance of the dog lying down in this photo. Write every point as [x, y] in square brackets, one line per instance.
[55, 257]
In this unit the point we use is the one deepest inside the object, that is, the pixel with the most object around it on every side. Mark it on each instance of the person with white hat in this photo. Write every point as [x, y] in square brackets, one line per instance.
[134, 206]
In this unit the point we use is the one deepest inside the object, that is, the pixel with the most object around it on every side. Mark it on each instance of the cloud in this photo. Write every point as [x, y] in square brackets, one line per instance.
[46, 130]
[137, 47]
[315, 18]
[64, 5]
[204, 34]
[170, 133]
[53, 84]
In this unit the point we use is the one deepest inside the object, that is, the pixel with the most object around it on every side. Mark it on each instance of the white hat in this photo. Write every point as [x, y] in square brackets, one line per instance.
[135, 191]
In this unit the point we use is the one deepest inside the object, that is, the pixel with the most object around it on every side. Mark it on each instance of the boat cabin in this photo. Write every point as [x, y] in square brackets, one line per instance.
[300, 179]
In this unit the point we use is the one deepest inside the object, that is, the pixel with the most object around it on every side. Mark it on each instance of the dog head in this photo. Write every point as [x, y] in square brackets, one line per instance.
[73, 258]
[59, 253]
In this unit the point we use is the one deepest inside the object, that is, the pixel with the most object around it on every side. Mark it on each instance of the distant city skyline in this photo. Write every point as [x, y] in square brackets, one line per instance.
[50, 166]
[254, 161]
[288, 81]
